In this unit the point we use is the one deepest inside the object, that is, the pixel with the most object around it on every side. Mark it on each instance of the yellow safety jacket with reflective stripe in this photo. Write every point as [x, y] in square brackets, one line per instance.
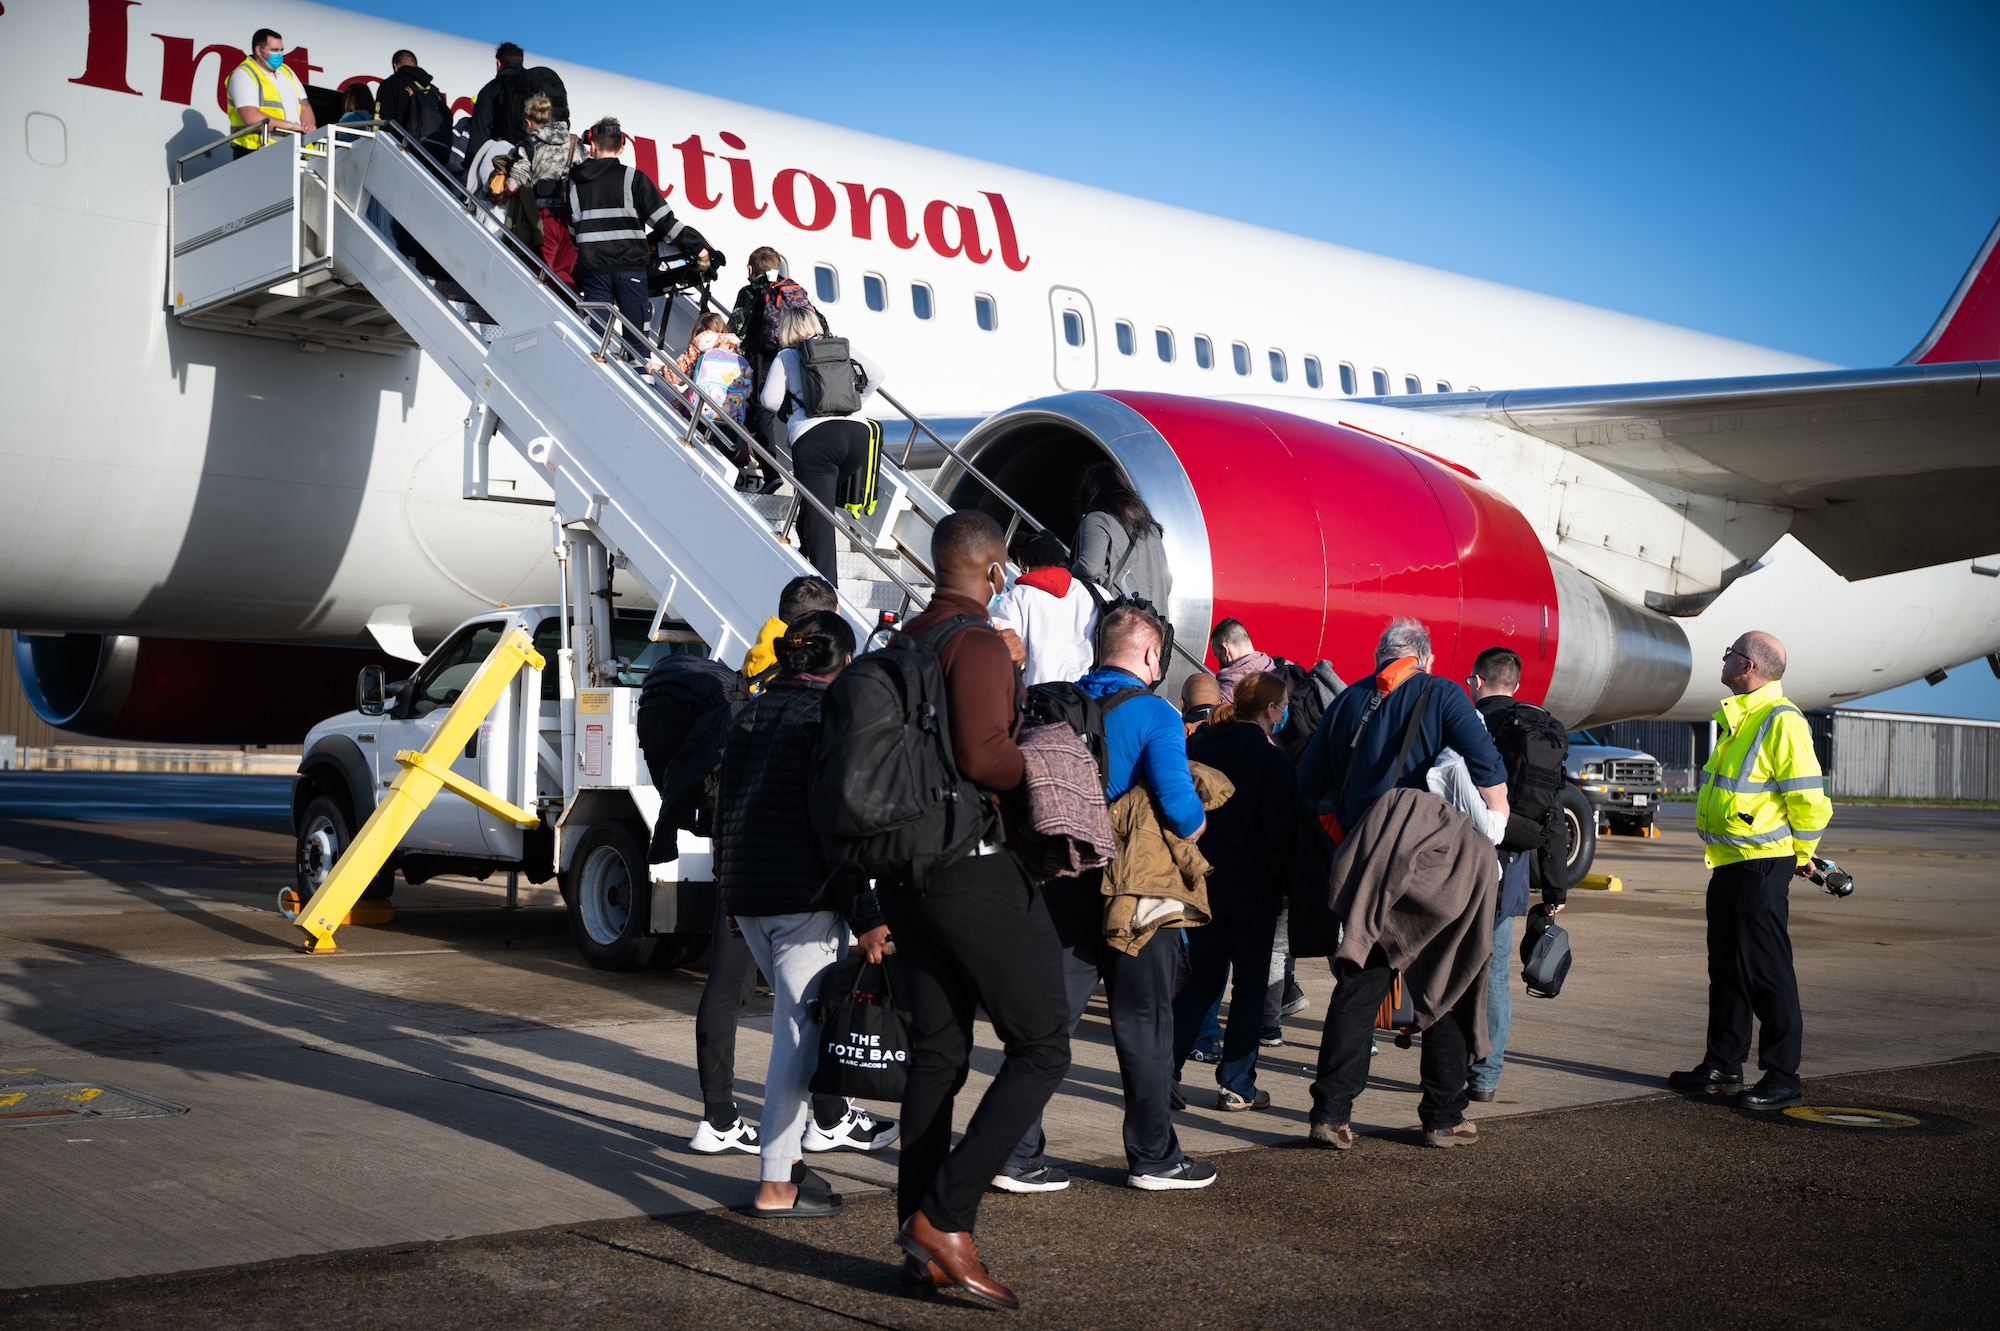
[269, 99]
[1762, 792]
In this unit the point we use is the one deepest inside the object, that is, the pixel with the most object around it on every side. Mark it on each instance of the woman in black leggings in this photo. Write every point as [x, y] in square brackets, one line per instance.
[824, 448]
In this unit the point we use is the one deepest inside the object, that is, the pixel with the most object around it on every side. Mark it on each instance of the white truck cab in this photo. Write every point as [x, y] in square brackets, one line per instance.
[570, 754]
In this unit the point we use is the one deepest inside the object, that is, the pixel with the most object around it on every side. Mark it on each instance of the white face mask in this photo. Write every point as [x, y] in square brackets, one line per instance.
[706, 341]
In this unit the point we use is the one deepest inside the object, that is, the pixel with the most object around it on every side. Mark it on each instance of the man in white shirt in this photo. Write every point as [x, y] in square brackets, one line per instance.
[1053, 612]
[264, 89]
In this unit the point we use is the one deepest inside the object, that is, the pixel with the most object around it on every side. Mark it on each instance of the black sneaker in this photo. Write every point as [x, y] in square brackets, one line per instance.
[1186, 1174]
[857, 1130]
[1272, 1038]
[1295, 999]
[1207, 1049]
[1046, 1179]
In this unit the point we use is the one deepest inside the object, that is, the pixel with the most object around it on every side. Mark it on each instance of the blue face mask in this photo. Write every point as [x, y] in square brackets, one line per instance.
[1283, 717]
[275, 59]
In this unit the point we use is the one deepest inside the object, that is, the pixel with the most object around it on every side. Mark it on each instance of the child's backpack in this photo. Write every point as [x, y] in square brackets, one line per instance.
[779, 296]
[725, 377]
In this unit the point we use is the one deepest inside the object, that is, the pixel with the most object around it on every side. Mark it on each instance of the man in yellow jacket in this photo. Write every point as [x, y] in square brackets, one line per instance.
[1760, 814]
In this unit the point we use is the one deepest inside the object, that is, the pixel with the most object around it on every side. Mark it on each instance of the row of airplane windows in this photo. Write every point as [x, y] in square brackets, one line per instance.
[923, 304]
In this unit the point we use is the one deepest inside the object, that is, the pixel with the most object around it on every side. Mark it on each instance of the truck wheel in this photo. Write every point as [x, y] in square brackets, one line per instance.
[1630, 826]
[324, 835]
[1575, 840]
[610, 898]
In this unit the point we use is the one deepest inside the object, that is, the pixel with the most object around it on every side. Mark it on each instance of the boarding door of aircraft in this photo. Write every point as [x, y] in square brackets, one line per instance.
[450, 824]
[1076, 339]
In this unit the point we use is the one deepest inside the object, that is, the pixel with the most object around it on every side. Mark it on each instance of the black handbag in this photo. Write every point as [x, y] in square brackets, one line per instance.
[864, 1033]
[1545, 955]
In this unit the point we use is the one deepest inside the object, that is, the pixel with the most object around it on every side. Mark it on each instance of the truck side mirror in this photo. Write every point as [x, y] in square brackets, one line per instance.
[370, 693]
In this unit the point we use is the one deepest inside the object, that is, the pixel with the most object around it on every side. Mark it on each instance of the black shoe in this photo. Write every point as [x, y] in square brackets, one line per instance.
[1711, 1080]
[1479, 1093]
[1770, 1093]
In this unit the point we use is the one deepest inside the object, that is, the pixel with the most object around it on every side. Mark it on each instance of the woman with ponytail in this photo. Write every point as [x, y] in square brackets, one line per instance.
[1250, 846]
[780, 893]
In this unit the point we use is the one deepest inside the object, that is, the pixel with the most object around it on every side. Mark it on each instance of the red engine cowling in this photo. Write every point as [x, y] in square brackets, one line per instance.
[1314, 535]
[184, 691]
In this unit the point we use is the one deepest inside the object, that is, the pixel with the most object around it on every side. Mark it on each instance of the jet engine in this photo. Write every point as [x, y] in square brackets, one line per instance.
[1316, 535]
[182, 691]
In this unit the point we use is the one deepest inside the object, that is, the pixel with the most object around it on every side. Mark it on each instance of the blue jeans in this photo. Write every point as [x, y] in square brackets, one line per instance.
[1485, 1073]
[1228, 943]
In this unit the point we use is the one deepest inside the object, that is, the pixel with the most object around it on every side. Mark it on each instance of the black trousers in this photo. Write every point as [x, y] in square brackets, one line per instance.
[820, 458]
[1228, 944]
[979, 938]
[1139, 990]
[1750, 968]
[1345, 1045]
[732, 978]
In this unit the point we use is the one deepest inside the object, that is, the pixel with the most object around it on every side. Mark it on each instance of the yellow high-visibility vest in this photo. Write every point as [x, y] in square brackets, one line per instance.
[269, 99]
[1762, 792]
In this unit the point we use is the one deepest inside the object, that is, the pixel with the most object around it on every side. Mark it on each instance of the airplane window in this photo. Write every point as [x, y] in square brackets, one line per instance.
[1163, 342]
[1347, 382]
[1381, 383]
[1204, 352]
[920, 300]
[986, 312]
[1278, 370]
[875, 291]
[828, 282]
[1073, 328]
[1444, 386]
[1241, 354]
[1412, 384]
[1128, 340]
[1313, 377]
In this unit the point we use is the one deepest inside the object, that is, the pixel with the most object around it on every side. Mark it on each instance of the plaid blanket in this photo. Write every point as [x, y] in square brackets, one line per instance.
[1068, 828]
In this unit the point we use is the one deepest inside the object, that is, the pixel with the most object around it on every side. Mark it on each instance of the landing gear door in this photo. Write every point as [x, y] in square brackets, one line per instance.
[1075, 339]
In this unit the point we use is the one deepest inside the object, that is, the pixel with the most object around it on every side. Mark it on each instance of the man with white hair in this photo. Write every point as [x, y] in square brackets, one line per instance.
[1377, 736]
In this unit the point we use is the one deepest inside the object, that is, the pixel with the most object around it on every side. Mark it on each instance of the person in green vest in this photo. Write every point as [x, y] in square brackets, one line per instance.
[1760, 813]
[264, 89]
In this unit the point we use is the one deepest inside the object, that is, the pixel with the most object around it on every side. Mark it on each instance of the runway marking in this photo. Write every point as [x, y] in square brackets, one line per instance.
[1845, 1117]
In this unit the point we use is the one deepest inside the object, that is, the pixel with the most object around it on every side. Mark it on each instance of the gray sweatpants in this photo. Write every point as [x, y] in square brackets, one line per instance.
[792, 951]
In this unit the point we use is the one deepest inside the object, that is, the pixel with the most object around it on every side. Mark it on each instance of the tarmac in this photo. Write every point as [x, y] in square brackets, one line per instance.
[455, 1121]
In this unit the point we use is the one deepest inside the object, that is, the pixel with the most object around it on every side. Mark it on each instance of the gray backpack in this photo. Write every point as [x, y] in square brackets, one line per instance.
[831, 382]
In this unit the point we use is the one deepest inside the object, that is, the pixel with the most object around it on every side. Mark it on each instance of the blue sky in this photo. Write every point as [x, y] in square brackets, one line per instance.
[1810, 177]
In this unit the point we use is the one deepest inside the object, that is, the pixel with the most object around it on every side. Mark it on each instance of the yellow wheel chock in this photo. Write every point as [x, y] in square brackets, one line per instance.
[425, 772]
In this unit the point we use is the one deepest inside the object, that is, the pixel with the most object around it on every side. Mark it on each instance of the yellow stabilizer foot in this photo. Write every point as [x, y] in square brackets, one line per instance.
[1602, 882]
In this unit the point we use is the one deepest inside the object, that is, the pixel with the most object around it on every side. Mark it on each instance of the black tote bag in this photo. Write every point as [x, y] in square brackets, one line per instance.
[864, 1032]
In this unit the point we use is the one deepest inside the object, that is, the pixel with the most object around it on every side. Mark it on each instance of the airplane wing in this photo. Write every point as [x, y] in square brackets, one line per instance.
[1884, 470]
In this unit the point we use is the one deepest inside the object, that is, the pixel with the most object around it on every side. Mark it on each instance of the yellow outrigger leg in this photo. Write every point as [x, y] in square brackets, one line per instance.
[425, 772]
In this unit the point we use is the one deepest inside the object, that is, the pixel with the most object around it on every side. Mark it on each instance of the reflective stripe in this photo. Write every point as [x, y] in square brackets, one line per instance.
[597, 214]
[591, 237]
[1800, 783]
[1743, 787]
[1784, 833]
[665, 210]
[676, 228]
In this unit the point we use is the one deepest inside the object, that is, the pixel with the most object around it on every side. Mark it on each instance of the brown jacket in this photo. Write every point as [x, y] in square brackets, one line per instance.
[1158, 880]
[1418, 879]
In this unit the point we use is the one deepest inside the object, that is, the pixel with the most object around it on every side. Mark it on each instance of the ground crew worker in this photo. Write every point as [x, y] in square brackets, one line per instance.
[1760, 813]
[615, 212]
[263, 88]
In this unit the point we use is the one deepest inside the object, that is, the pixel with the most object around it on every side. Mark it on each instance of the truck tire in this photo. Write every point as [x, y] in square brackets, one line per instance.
[1621, 826]
[610, 898]
[325, 831]
[1575, 840]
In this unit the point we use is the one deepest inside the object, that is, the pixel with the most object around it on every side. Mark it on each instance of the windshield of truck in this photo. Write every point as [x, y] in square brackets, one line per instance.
[629, 643]
[1585, 737]
[451, 667]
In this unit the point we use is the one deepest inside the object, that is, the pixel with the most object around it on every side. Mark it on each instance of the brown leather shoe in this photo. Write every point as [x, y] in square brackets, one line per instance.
[957, 1256]
[921, 1274]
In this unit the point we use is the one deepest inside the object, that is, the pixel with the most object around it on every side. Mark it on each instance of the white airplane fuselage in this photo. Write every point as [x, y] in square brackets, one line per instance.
[176, 482]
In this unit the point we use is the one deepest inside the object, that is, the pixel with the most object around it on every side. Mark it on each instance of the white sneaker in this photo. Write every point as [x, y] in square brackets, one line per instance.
[858, 1130]
[1186, 1174]
[738, 1136]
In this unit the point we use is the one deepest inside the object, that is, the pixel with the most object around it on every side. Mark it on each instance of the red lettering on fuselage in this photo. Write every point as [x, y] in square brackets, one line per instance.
[646, 157]
[742, 187]
[861, 208]
[1003, 222]
[104, 49]
[784, 195]
[694, 171]
[180, 62]
[968, 232]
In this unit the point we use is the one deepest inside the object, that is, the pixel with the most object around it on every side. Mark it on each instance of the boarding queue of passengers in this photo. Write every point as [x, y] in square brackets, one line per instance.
[1169, 854]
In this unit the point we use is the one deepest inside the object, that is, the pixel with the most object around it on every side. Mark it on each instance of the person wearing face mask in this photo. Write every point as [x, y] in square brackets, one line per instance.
[264, 91]
[1249, 847]
[1145, 744]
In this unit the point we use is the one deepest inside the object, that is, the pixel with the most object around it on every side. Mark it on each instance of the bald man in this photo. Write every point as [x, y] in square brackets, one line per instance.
[1200, 696]
[1760, 814]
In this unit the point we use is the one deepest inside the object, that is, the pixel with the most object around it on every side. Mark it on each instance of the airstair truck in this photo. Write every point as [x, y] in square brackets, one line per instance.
[640, 474]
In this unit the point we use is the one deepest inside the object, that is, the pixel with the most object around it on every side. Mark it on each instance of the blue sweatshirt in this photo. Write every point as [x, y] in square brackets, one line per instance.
[1145, 743]
[1449, 719]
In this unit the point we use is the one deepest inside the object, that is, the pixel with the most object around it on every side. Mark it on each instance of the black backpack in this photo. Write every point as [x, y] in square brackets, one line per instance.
[886, 789]
[1118, 602]
[1313, 691]
[545, 82]
[422, 111]
[1067, 704]
[831, 382]
[1534, 747]
[1545, 954]
[685, 708]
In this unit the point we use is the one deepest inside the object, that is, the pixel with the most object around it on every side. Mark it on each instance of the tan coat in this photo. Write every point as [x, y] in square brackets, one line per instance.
[1158, 880]
[1418, 879]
